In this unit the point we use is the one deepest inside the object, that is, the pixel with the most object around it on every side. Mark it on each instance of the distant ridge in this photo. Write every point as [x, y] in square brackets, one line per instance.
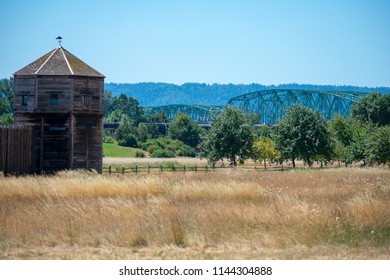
[159, 94]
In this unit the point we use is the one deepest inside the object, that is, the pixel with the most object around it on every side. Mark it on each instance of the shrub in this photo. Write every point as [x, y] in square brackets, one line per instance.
[185, 129]
[109, 139]
[162, 153]
[176, 147]
[128, 140]
[139, 154]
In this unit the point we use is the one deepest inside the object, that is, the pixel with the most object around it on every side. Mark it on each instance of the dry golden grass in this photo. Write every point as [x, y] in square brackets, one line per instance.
[322, 214]
[188, 161]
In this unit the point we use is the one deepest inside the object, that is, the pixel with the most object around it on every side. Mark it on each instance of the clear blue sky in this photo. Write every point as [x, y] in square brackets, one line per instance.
[337, 42]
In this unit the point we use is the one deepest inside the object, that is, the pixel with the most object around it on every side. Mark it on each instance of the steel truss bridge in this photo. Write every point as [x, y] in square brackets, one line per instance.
[202, 114]
[272, 104]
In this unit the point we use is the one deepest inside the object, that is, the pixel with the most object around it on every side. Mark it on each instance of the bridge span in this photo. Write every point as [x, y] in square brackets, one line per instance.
[270, 105]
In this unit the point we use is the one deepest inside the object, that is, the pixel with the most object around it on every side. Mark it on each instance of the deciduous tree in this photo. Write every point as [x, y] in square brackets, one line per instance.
[6, 96]
[185, 129]
[264, 149]
[374, 108]
[230, 137]
[378, 146]
[303, 133]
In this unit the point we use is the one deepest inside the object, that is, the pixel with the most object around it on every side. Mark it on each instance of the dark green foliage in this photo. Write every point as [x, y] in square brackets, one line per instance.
[185, 129]
[139, 154]
[263, 131]
[230, 137]
[126, 133]
[357, 146]
[6, 119]
[107, 102]
[162, 153]
[146, 131]
[128, 140]
[176, 147]
[109, 139]
[342, 130]
[374, 108]
[360, 141]
[159, 117]
[341, 153]
[122, 105]
[114, 116]
[6, 98]
[303, 133]
[378, 148]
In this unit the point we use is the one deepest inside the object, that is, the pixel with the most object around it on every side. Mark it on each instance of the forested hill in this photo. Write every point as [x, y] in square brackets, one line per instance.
[158, 94]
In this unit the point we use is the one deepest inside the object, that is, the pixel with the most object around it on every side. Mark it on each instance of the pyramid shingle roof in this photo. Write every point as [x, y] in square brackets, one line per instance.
[59, 62]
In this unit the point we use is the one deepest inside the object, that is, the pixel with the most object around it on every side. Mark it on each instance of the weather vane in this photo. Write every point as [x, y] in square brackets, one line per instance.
[59, 39]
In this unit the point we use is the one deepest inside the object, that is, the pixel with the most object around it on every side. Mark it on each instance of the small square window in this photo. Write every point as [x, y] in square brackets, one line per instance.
[54, 99]
[24, 100]
[87, 100]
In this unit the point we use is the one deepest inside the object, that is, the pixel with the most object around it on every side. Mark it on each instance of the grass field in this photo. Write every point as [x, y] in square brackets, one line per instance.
[113, 150]
[322, 214]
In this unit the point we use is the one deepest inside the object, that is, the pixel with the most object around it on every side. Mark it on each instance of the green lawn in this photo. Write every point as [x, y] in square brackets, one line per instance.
[113, 150]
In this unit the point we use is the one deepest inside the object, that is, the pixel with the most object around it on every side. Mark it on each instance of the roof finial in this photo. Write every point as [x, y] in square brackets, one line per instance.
[59, 39]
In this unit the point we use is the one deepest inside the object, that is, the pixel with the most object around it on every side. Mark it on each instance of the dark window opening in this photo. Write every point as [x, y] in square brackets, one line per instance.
[24, 100]
[87, 100]
[24, 96]
[57, 128]
[53, 98]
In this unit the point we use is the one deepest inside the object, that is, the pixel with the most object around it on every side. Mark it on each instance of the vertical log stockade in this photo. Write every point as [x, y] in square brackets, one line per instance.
[16, 149]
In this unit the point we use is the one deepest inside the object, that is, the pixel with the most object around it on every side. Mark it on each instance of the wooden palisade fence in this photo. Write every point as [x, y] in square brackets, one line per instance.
[16, 149]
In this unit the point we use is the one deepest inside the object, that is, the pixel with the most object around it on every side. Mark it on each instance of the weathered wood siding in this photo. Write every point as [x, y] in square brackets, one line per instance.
[24, 87]
[88, 95]
[51, 133]
[56, 139]
[48, 86]
[16, 149]
[33, 121]
[87, 142]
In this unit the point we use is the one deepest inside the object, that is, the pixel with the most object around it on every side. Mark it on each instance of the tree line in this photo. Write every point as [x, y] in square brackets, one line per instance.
[303, 134]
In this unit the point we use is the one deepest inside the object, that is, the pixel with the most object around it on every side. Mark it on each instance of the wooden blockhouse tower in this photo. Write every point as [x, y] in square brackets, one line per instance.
[60, 96]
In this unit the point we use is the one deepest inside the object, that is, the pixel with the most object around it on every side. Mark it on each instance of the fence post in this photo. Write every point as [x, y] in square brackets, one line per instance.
[195, 168]
[123, 170]
[161, 168]
[148, 169]
[136, 169]
[109, 169]
[173, 168]
[207, 168]
[282, 167]
[184, 168]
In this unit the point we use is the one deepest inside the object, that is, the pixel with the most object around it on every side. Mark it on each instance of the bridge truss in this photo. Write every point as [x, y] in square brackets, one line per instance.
[272, 104]
[202, 114]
